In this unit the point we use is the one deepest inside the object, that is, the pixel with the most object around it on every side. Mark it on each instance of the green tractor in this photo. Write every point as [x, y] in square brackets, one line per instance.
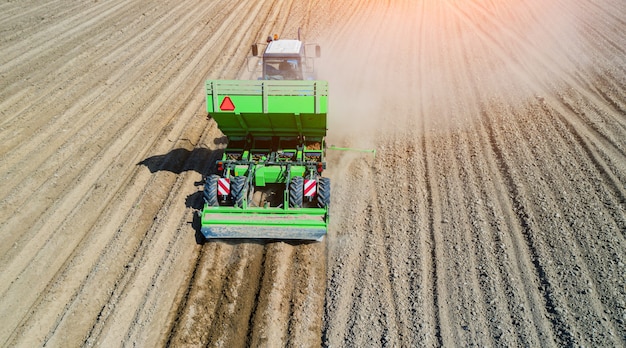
[268, 183]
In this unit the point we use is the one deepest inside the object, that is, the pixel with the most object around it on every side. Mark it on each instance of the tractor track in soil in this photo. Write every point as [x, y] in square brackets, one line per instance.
[493, 214]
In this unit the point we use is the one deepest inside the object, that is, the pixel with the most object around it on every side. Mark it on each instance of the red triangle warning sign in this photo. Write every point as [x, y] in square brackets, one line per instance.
[227, 104]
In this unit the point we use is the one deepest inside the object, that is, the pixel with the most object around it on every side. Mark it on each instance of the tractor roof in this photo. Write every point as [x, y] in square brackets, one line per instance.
[284, 48]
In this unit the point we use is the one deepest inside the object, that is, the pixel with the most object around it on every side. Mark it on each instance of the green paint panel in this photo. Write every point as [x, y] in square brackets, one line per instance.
[269, 108]
[275, 174]
[272, 223]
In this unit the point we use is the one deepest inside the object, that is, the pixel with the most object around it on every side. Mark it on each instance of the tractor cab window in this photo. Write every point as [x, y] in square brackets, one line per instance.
[282, 69]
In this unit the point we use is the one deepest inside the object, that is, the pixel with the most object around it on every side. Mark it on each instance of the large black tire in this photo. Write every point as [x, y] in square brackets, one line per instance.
[239, 190]
[323, 192]
[296, 192]
[210, 190]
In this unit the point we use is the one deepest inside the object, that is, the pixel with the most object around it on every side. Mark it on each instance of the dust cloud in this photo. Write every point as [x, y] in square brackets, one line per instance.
[409, 65]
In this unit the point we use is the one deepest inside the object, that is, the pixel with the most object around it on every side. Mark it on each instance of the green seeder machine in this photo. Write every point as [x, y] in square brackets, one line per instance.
[268, 183]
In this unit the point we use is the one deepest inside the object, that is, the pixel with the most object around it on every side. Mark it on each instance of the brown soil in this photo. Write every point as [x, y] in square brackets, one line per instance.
[494, 212]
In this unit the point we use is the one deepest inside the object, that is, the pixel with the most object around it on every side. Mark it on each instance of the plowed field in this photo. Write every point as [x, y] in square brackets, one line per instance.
[493, 214]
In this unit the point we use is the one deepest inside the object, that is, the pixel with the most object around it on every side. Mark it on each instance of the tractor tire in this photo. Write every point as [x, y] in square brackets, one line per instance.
[239, 190]
[296, 192]
[323, 192]
[210, 191]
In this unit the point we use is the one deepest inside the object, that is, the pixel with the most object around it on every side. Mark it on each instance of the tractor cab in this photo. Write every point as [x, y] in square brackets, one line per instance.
[282, 60]
[286, 59]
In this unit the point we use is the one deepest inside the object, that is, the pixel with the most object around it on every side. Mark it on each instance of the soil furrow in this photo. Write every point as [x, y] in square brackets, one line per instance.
[64, 31]
[201, 300]
[271, 314]
[434, 272]
[560, 327]
[13, 12]
[495, 224]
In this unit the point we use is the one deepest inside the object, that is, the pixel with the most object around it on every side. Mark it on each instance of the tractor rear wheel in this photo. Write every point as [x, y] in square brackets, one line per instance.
[323, 192]
[296, 192]
[239, 190]
[210, 190]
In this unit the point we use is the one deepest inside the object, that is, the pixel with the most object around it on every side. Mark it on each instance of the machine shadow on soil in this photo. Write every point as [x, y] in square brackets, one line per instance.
[181, 160]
